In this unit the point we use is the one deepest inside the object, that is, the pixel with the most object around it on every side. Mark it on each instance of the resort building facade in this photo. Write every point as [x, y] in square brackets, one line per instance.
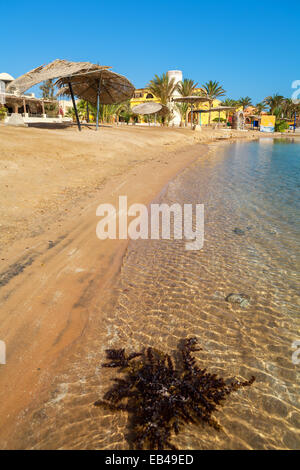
[26, 104]
[26, 108]
[143, 95]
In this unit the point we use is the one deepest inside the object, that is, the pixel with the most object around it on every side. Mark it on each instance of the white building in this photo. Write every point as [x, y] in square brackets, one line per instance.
[65, 105]
[24, 109]
[177, 76]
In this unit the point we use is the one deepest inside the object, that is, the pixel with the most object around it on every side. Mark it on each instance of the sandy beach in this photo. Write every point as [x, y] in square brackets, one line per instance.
[56, 276]
[149, 229]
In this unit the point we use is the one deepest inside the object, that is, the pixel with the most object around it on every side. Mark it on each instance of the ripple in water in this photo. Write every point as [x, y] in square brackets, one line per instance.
[166, 293]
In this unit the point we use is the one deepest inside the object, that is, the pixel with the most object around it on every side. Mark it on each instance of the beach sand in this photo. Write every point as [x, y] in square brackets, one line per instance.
[55, 275]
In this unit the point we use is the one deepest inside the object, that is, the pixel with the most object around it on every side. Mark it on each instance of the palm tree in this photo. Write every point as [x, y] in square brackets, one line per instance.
[186, 88]
[278, 112]
[287, 107]
[273, 102]
[244, 102]
[290, 108]
[106, 111]
[183, 109]
[214, 90]
[230, 102]
[48, 90]
[162, 87]
[124, 110]
[260, 107]
[81, 108]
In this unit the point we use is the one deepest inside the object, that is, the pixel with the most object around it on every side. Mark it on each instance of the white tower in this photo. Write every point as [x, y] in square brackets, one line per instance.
[177, 75]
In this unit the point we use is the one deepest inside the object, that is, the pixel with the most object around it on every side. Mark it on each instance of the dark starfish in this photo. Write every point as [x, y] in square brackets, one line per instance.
[162, 398]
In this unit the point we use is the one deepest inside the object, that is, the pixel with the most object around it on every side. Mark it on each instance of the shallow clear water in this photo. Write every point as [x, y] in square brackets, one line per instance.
[165, 293]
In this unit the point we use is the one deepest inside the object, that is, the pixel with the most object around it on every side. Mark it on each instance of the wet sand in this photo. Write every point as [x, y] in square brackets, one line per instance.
[57, 278]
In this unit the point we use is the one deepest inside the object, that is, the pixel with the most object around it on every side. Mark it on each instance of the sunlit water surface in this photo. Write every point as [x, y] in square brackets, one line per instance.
[166, 293]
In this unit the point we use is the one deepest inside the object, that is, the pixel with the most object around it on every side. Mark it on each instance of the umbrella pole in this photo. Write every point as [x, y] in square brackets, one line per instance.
[98, 105]
[192, 116]
[74, 106]
[155, 118]
[149, 119]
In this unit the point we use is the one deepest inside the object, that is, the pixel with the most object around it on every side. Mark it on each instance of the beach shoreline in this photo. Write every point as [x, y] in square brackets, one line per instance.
[56, 276]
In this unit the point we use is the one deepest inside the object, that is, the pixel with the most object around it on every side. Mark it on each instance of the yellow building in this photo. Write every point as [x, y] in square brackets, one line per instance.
[205, 116]
[143, 95]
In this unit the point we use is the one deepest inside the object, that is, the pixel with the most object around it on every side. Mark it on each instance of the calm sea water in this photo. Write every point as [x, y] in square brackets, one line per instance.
[165, 293]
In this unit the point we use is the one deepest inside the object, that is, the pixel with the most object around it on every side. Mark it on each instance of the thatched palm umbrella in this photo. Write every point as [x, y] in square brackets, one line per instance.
[88, 81]
[97, 86]
[192, 100]
[222, 108]
[151, 108]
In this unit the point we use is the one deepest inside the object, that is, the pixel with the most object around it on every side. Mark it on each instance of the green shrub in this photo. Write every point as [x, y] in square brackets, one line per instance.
[126, 115]
[281, 126]
[2, 113]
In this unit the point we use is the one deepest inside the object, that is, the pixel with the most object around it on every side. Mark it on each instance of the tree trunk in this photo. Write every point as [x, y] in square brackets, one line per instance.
[187, 117]
[209, 114]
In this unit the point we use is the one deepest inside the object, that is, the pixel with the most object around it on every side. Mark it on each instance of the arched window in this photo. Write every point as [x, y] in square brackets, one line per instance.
[149, 96]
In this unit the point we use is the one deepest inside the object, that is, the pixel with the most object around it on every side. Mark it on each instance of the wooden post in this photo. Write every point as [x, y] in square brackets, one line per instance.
[98, 104]
[192, 116]
[74, 106]
[43, 108]
[24, 105]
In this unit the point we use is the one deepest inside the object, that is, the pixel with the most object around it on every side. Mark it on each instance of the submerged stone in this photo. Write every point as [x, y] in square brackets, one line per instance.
[238, 231]
[242, 299]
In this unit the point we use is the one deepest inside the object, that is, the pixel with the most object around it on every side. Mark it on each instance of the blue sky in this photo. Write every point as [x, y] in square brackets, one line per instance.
[251, 48]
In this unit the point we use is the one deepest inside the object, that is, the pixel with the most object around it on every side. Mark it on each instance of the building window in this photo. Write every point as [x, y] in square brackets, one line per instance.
[149, 96]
